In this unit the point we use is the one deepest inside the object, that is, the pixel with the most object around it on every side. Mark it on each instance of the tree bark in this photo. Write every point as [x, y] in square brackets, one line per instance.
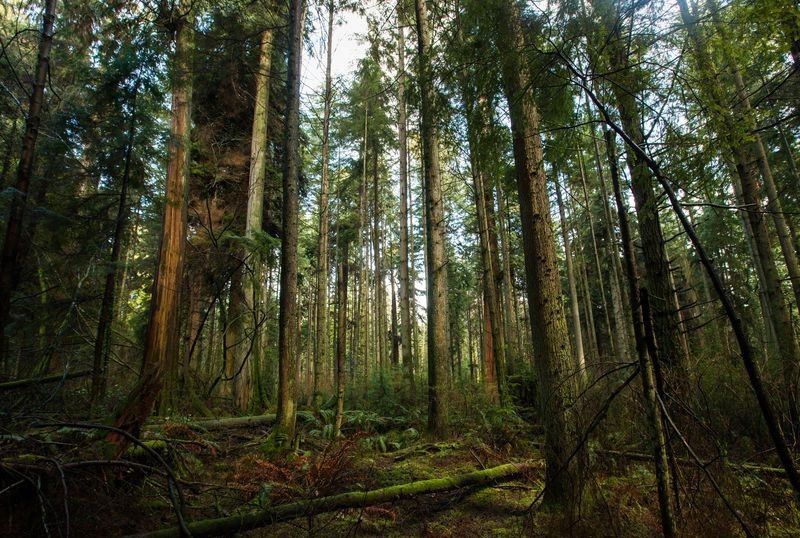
[287, 319]
[564, 454]
[436, 267]
[101, 343]
[11, 258]
[580, 359]
[161, 338]
[341, 335]
[321, 340]
[405, 284]
[652, 411]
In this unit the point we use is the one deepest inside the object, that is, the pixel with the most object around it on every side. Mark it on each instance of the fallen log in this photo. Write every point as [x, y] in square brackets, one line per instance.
[19, 383]
[221, 423]
[354, 499]
[741, 467]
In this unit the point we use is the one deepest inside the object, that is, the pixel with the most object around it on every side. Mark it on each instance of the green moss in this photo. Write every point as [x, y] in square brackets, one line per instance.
[275, 447]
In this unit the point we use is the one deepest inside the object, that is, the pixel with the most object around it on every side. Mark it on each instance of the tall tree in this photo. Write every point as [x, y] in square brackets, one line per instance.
[746, 151]
[564, 454]
[100, 360]
[580, 359]
[251, 281]
[287, 323]
[161, 338]
[10, 262]
[321, 339]
[436, 267]
[646, 359]
[402, 138]
[624, 81]
[341, 328]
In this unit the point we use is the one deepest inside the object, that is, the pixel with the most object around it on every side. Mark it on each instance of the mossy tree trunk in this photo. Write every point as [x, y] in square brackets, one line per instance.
[250, 348]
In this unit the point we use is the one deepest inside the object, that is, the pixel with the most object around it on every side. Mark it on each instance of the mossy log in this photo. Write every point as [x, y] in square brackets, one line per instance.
[20, 383]
[424, 450]
[221, 423]
[740, 467]
[355, 499]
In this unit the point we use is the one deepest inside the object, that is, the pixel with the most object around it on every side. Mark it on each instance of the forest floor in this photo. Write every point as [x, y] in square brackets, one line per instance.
[56, 481]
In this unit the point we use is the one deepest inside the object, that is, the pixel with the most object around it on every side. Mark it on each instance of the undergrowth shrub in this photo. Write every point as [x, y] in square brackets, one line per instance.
[476, 414]
[315, 474]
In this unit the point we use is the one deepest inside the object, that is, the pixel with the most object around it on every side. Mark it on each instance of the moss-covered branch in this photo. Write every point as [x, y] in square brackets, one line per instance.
[19, 383]
[355, 499]
[224, 423]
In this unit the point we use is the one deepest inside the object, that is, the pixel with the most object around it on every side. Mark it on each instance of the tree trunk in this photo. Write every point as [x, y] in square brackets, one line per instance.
[236, 346]
[321, 339]
[161, 338]
[621, 326]
[11, 258]
[362, 310]
[231, 525]
[435, 232]
[580, 360]
[513, 349]
[287, 320]
[251, 281]
[652, 411]
[101, 343]
[734, 130]
[394, 338]
[478, 116]
[9, 150]
[564, 454]
[656, 261]
[341, 336]
[405, 285]
[378, 287]
[596, 255]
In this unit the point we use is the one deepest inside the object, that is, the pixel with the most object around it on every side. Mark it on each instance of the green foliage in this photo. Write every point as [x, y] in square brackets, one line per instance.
[499, 427]
[391, 441]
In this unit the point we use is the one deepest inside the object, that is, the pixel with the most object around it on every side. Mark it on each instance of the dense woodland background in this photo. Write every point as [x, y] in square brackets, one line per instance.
[549, 248]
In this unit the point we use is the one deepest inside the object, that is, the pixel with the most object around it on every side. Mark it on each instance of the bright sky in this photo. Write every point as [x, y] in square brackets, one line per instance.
[349, 32]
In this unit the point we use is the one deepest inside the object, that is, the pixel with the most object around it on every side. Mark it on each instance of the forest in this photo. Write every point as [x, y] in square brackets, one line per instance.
[442, 268]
